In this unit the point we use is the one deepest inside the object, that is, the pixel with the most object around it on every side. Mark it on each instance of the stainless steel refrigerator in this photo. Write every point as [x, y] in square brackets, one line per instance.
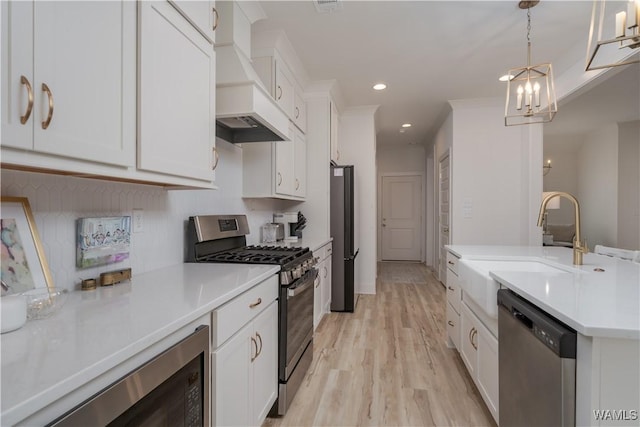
[342, 228]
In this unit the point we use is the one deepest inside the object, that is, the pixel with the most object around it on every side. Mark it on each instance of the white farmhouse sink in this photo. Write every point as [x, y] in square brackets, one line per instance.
[478, 285]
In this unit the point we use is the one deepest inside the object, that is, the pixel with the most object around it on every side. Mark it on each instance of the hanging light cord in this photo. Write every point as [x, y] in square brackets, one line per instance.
[528, 37]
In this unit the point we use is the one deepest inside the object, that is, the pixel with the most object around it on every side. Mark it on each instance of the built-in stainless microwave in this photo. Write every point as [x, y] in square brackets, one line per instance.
[171, 389]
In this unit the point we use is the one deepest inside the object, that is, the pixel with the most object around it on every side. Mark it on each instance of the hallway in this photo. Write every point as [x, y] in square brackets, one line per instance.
[387, 363]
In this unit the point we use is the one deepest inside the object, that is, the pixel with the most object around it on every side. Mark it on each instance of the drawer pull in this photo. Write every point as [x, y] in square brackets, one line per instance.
[255, 304]
[25, 81]
[451, 263]
[450, 288]
[450, 323]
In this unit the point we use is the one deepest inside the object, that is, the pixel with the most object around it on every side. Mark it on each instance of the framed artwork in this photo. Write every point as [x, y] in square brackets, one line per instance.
[24, 265]
[102, 241]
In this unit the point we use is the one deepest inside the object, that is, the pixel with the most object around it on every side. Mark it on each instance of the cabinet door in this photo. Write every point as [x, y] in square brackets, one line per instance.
[265, 365]
[299, 111]
[201, 14]
[284, 88]
[231, 383]
[325, 271]
[453, 326]
[317, 298]
[85, 54]
[284, 167]
[177, 97]
[487, 378]
[468, 340]
[300, 164]
[17, 73]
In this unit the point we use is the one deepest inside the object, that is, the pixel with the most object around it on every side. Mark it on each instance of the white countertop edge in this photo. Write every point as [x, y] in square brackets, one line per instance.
[591, 331]
[46, 397]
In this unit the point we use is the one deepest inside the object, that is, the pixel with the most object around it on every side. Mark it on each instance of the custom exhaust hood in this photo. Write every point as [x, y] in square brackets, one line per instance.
[245, 111]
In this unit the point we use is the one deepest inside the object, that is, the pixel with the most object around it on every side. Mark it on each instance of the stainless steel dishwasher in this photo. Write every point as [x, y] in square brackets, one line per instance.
[537, 369]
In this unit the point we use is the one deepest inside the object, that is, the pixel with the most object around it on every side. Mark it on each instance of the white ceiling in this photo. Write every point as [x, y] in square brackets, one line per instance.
[427, 52]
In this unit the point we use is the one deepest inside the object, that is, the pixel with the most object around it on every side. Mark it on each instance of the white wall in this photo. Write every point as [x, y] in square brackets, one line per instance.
[598, 186]
[497, 183]
[57, 201]
[358, 147]
[629, 185]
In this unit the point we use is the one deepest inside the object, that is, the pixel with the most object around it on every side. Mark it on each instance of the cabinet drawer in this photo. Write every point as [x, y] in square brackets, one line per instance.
[452, 262]
[453, 290]
[453, 326]
[232, 316]
[324, 251]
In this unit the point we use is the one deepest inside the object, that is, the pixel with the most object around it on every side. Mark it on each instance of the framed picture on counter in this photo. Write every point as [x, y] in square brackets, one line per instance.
[103, 240]
[24, 265]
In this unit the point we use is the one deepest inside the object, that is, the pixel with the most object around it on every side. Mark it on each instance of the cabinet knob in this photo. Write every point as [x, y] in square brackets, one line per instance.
[216, 18]
[216, 158]
[47, 122]
[27, 114]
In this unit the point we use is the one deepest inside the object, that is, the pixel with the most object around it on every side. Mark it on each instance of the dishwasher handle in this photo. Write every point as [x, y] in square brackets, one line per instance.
[522, 318]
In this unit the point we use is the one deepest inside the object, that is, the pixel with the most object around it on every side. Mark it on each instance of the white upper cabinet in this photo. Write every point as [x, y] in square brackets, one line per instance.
[201, 14]
[68, 76]
[176, 128]
[300, 164]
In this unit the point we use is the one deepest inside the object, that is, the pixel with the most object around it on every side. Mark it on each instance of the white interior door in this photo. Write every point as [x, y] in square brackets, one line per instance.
[444, 173]
[402, 218]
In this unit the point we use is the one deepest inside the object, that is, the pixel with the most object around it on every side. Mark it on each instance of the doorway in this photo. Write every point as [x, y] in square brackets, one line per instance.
[401, 217]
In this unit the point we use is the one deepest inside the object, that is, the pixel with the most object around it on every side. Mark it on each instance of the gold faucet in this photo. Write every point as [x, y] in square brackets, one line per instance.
[579, 246]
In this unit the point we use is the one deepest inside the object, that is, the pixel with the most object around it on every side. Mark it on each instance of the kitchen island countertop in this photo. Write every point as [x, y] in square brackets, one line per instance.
[98, 330]
[595, 303]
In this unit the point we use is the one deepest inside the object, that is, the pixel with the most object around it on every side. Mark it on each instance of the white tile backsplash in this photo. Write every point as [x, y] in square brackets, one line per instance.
[57, 201]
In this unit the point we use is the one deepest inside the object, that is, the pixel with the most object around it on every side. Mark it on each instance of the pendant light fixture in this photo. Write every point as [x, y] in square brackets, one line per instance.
[614, 34]
[531, 95]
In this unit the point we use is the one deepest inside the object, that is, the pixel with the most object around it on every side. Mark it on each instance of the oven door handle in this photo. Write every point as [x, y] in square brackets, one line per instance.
[292, 292]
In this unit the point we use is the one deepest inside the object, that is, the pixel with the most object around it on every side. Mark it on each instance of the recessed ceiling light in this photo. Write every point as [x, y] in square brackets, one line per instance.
[506, 77]
[402, 130]
[380, 86]
[406, 125]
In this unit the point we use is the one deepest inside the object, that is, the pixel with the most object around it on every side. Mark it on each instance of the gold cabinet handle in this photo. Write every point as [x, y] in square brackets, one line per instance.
[473, 335]
[470, 334]
[47, 122]
[297, 184]
[325, 272]
[297, 112]
[260, 350]
[27, 114]
[450, 323]
[279, 179]
[445, 230]
[216, 158]
[450, 288]
[279, 97]
[451, 263]
[216, 18]
[255, 304]
[255, 345]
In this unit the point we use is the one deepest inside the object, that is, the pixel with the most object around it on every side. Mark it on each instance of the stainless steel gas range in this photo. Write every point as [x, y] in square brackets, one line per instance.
[222, 238]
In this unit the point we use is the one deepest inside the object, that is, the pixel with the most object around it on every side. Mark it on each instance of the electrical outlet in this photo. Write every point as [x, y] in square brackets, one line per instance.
[138, 220]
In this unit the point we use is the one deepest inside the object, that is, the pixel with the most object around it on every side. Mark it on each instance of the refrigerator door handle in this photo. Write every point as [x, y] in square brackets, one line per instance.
[351, 258]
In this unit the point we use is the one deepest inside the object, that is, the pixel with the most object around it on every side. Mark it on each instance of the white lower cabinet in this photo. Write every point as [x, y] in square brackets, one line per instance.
[245, 366]
[479, 351]
[322, 291]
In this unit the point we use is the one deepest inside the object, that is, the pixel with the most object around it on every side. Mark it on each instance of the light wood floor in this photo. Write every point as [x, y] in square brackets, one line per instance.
[388, 363]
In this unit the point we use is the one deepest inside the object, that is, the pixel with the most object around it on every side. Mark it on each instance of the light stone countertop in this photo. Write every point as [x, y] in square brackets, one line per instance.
[598, 304]
[97, 330]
